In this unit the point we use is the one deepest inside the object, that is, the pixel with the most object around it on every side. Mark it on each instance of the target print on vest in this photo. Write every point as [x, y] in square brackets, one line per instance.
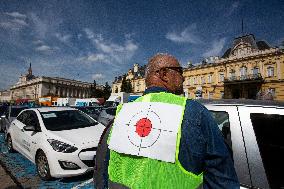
[144, 129]
[147, 129]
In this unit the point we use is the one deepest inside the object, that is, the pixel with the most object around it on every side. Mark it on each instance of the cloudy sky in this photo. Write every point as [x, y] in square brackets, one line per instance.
[87, 40]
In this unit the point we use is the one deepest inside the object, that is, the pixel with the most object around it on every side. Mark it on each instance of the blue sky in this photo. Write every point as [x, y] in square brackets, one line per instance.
[87, 40]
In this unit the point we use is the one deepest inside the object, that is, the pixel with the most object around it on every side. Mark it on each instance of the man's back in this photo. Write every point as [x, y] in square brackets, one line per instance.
[202, 149]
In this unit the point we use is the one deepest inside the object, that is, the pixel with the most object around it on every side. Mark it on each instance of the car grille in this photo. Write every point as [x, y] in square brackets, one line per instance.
[89, 163]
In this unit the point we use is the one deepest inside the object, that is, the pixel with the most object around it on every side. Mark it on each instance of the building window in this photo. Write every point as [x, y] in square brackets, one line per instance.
[209, 78]
[222, 94]
[243, 72]
[272, 91]
[270, 71]
[202, 80]
[210, 96]
[255, 72]
[232, 75]
[194, 81]
[221, 77]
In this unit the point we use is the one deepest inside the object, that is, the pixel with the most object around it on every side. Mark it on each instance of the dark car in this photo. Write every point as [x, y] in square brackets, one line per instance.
[3, 109]
[92, 111]
[106, 115]
[10, 113]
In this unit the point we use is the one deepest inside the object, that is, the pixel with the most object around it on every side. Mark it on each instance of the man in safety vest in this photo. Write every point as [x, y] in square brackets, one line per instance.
[163, 140]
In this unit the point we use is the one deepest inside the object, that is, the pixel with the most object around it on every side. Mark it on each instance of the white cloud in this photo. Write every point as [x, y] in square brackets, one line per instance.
[38, 42]
[40, 27]
[98, 76]
[232, 8]
[16, 15]
[90, 33]
[113, 52]
[188, 35]
[63, 38]
[97, 58]
[43, 48]
[216, 48]
[15, 22]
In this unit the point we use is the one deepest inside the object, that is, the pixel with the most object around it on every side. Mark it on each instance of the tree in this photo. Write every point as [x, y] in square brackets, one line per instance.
[94, 89]
[126, 85]
[106, 91]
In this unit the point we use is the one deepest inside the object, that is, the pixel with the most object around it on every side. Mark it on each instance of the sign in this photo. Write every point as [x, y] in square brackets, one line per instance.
[147, 129]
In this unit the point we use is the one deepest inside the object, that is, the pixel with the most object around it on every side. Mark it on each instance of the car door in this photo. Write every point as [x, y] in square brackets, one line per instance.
[16, 131]
[263, 129]
[227, 118]
[29, 138]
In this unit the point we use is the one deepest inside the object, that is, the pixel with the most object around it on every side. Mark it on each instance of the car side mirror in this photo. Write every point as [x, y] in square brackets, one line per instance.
[29, 128]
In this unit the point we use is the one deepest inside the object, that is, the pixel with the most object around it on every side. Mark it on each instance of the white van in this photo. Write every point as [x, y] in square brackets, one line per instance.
[254, 131]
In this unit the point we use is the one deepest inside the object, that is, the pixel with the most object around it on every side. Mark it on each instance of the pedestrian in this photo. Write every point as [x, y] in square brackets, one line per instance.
[163, 140]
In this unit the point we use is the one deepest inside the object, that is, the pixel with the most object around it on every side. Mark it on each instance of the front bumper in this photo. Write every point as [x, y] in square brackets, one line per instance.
[83, 158]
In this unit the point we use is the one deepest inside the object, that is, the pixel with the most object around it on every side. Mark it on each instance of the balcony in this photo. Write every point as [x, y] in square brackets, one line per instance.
[244, 78]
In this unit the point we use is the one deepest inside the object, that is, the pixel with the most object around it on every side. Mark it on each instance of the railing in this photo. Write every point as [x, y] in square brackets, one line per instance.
[244, 77]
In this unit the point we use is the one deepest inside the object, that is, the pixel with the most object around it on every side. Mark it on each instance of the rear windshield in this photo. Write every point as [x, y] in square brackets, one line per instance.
[66, 120]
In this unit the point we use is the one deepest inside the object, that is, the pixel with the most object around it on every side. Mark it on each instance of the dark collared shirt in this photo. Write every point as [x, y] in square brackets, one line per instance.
[202, 147]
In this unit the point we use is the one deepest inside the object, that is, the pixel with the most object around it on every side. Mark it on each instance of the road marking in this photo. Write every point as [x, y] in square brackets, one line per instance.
[83, 184]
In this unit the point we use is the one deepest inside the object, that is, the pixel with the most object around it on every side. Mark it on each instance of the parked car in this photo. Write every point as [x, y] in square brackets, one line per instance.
[93, 111]
[10, 113]
[60, 141]
[106, 115]
[254, 132]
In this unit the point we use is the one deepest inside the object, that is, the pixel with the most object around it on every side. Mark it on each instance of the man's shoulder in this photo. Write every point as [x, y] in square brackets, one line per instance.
[194, 105]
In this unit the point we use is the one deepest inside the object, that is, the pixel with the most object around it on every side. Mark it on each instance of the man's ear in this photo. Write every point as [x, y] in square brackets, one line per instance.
[163, 75]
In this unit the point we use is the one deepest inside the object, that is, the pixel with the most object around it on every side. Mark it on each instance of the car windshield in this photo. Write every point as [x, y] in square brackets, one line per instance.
[83, 109]
[15, 111]
[66, 120]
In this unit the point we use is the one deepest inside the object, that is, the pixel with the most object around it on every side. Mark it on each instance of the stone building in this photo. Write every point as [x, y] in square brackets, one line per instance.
[249, 69]
[136, 76]
[5, 96]
[32, 87]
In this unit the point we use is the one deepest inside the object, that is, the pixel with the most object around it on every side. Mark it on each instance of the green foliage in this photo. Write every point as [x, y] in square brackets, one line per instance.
[126, 85]
[98, 93]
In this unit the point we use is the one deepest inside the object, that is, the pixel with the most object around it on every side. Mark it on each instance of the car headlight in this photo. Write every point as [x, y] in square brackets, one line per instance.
[61, 146]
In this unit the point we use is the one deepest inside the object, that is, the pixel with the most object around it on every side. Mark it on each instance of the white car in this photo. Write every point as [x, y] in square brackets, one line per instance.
[253, 130]
[61, 141]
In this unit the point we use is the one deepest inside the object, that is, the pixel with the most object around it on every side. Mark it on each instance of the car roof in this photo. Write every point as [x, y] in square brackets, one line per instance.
[242, 102]
[19, 106]
[50, 109]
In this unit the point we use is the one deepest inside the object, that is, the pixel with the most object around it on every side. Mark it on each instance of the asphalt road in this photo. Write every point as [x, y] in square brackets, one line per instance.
[24, 172]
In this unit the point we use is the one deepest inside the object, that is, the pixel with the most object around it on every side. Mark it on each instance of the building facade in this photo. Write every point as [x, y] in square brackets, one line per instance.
[5, 96]
[249, 69]
[136, 76]
[32, 87]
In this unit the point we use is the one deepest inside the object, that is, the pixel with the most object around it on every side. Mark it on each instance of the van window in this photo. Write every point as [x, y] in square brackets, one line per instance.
[269, 129]
[222, 119]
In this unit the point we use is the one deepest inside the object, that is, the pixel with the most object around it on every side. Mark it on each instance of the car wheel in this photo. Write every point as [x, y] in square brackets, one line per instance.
[42, 166]
[10, 144]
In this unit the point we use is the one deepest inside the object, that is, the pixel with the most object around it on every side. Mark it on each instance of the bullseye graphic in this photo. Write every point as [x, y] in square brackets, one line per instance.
[147, 130]
[143, 127]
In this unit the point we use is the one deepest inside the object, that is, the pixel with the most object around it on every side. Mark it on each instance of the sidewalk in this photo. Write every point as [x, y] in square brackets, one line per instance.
[6, 181]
